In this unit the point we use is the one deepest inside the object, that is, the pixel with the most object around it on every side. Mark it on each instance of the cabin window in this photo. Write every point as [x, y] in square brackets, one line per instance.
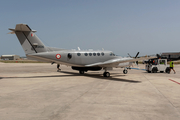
[94, 54]
[85, 54]
[78, 54]
[90, 54]
[98, 54]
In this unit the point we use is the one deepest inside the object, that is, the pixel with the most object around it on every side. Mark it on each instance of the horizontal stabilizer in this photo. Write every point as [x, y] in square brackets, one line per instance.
[28, 39]
[21, 27]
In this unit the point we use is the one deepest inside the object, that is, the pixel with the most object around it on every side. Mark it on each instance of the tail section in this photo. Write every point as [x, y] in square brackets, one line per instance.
[28, 39]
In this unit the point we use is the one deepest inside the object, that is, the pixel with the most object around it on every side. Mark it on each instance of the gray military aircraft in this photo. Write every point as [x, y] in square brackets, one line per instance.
[80, 60]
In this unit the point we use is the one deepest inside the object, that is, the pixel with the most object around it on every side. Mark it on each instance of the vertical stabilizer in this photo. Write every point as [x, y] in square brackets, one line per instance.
[28, 39]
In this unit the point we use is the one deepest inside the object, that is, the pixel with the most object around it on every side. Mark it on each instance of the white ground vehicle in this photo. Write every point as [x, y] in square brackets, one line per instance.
[157, 65]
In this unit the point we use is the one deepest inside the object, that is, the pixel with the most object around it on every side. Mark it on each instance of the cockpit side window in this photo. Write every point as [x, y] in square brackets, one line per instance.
[112, 54]
[102, 54]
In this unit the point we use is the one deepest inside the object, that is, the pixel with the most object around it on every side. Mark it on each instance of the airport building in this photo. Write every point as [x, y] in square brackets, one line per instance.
[10, 57]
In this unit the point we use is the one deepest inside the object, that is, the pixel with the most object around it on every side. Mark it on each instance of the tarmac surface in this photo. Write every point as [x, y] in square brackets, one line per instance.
[36, 91]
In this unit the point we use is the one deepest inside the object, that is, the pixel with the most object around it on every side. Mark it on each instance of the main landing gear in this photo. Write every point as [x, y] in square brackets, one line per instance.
[81, 72]
[106, 74]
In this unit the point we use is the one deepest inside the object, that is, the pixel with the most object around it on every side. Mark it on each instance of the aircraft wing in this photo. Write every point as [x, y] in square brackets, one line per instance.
[116, 61]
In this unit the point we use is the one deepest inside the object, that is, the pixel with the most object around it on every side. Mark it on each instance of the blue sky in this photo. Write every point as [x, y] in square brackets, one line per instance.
[123, 26]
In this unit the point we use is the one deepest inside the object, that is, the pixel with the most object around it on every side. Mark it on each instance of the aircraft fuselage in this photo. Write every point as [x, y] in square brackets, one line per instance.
[75, 57]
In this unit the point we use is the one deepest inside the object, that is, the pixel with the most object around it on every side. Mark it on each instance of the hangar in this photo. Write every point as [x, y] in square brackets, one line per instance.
[10, 57]
[171, 55]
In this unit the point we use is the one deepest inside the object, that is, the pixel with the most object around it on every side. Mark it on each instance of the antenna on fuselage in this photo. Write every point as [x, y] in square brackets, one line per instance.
[79, 48]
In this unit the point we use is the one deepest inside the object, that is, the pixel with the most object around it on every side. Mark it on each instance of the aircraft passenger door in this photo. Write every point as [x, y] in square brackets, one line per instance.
[69, 56]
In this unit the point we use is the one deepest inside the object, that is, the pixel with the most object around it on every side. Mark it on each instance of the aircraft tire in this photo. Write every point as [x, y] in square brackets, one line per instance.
[125, 71]
[106, 74]
[81, 72]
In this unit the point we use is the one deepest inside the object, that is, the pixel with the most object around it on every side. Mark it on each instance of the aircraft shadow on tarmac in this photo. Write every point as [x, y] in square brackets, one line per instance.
[101, 77]
[69, 74]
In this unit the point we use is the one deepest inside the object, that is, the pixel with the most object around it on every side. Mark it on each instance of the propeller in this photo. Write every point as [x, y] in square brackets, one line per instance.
[136, 55]
[135, 58]
[129, 55]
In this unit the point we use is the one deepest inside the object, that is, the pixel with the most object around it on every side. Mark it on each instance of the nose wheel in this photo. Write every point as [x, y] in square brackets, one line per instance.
[106, 74]
[125, 71]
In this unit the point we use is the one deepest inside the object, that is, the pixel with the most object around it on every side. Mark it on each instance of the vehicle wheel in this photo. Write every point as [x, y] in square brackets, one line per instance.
[161, 71]
[167, 70]
[154, 70]
[81, 72]
[125, 71]
[149, 71]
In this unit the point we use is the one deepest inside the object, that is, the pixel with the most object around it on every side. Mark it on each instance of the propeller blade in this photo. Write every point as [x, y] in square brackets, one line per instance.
[129, 55]
[136, 55]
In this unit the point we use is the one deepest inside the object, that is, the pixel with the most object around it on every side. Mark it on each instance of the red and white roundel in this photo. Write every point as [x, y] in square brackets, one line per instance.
[58, 56]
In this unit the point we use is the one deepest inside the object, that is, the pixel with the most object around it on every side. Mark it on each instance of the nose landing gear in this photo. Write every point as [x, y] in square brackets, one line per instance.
[125, 71]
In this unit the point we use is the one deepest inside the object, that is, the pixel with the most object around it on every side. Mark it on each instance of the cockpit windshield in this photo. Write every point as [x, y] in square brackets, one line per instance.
[112, 54]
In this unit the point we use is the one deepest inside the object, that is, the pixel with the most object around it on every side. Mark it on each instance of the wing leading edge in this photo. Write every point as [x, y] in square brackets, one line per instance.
[116, 61]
